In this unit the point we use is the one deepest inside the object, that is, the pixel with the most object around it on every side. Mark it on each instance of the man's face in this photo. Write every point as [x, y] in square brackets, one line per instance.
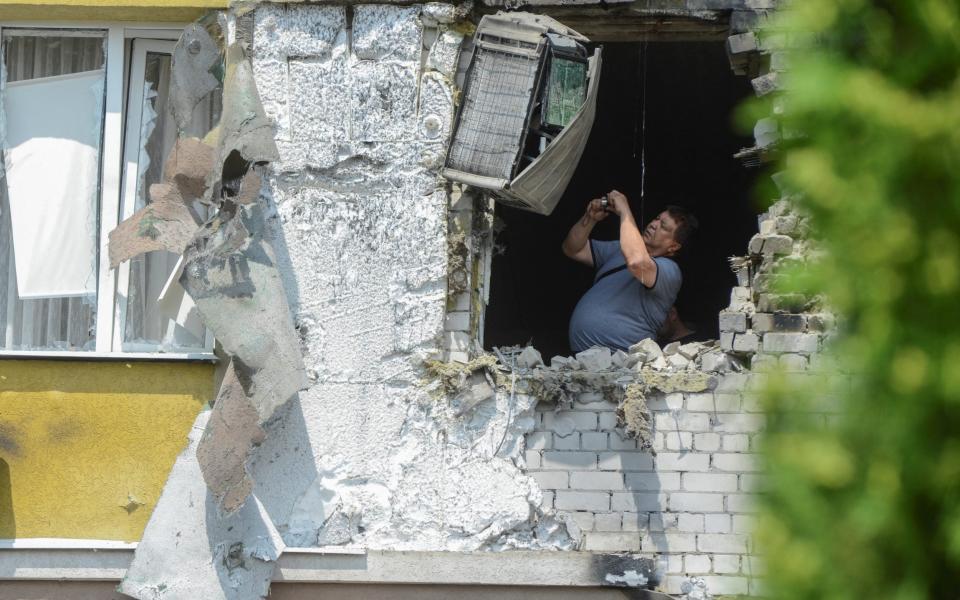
[658, 235]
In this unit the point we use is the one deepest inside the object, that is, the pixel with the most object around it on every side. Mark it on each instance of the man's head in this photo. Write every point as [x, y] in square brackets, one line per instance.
[669, 231]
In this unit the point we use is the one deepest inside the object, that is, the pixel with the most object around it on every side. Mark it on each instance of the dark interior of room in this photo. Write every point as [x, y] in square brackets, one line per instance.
[691, 95]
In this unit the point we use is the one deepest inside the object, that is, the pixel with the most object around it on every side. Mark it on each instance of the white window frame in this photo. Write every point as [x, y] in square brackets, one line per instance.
[110, 317]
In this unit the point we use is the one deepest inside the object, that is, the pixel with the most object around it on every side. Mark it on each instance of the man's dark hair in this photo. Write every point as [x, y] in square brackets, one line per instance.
[687, 223]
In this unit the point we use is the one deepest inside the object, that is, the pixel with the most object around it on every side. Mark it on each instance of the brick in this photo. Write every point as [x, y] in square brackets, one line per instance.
[737, 463]
[532, 458]
[607, 521]
[593, 401]
[663, 521]
[697, 564]
[566, 500]
[743, 524]
[732, 383]
[583, 421]
[597, 480]
[725, 585]
[637, 501]
[793, 362]
[625, 461]
[593, 440]
[669, 542]
[457, 321]
[584, 520]
[539, 440]
[690, 461]
[803, 343]
[657, 402]
[778, 322]
[689, 522]
[746, 342]
[551, 480]
[751, 483]
[706, 442]
[709, 482]
[569, 460]
[753, 565]
[733, 321]
[741, 503]
[682, 421]
[674, 401]
[569, 442]
[763, 85]
[547, 500]
[608, 420]
[739, 423]
[654, 481]
[741, 43]
[716, 523]
[656, 441]
[722, 543]
[618, 442]
[678, 440]
[736, 442]
[612, 542]
[702, 402]
[726, 341]
[726, 563]
[696, 502]
[633, 521]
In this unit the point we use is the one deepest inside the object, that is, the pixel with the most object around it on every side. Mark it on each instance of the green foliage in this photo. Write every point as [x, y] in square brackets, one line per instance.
[869, 507]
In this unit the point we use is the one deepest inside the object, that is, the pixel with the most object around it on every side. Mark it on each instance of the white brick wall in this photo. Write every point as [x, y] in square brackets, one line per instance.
[690, 504]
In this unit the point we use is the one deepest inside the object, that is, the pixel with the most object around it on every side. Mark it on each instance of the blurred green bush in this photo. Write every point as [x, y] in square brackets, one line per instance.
[867, 504]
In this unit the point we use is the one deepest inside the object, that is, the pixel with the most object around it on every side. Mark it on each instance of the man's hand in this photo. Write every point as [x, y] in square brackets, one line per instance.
[595, 211]
[619, 205]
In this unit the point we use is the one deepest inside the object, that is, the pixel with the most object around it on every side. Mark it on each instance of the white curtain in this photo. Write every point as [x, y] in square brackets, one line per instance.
[55, 309]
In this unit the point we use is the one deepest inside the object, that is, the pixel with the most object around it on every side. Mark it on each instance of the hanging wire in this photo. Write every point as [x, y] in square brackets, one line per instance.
[643, 129]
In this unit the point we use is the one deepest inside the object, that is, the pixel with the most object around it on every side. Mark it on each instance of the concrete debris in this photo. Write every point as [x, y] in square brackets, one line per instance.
[691, 351]
[529, 358]
[479, 388]
[695, 588]
[595, 359]
[671, 348]
[678, 361]
[443, 13]
[648, 350]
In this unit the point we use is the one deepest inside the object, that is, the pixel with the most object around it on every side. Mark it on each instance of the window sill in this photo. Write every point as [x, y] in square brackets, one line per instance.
[209, 357]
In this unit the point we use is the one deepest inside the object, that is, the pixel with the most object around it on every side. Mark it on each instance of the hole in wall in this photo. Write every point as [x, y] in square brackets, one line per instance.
[691, 95]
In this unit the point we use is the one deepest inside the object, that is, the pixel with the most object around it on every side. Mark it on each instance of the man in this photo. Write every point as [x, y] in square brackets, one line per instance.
[635, 282]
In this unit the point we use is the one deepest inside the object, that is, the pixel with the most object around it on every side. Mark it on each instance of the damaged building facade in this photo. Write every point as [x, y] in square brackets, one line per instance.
[267, 219]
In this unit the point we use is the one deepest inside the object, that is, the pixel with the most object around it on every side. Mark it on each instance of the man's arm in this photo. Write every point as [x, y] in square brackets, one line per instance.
[639, 262]
[577, 243]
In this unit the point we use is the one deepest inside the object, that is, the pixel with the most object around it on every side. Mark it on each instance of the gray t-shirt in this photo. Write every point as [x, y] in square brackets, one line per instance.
[618, 311]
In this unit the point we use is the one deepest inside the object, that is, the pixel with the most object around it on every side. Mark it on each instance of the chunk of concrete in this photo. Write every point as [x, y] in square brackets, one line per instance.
[691, 350]
[678, 361]
[648, 350]
[597, 358]
[529, 358]
[671, 348]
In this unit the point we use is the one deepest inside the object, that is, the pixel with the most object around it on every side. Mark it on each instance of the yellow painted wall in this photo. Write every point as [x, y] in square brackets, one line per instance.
[86, 447]
[179, 11]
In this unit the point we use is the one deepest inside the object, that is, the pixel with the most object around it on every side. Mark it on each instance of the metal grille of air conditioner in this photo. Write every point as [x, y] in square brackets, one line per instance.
[496, 107]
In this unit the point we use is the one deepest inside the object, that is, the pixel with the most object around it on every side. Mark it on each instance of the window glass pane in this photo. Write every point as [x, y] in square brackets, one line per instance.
[159, 314]
[53, 94]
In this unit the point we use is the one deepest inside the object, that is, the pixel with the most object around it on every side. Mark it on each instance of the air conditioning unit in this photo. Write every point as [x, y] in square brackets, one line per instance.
[527, 109]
